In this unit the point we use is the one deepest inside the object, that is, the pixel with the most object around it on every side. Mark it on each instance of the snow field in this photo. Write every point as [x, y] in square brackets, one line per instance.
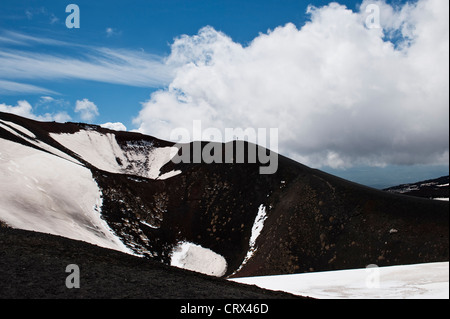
[419, 281]
[31, 138]
[46, 193]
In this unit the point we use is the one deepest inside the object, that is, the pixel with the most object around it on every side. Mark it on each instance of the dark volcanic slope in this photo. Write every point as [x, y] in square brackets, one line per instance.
[321, 222]
[315, 221]
[33, 266]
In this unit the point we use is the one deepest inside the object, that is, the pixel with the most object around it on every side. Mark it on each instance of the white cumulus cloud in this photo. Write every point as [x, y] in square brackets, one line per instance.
[116, 126]
[87, 109]
[340, 93]
[25, 109]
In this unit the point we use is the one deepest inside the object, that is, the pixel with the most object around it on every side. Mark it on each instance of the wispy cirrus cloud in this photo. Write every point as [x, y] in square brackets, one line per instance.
[22, 59]
[103, 65]
[41, 12]
[21, 39]
[12, 88]
[110, 32]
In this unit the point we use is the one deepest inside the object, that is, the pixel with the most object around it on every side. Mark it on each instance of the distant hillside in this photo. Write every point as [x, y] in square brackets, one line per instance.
[434, 188]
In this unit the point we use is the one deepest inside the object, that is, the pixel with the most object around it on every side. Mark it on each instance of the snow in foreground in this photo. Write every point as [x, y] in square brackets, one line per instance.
[419, 281]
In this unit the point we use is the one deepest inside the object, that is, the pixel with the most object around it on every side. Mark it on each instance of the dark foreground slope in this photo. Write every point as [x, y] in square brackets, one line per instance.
[33, 265]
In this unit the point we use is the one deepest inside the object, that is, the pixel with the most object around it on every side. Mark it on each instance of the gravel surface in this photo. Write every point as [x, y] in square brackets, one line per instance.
[33, 265]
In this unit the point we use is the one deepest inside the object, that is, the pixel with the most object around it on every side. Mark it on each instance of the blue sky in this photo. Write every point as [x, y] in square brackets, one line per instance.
[114, 69]
[138, 26]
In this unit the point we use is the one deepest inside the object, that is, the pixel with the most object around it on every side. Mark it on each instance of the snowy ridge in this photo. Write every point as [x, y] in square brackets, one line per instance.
[102, 150]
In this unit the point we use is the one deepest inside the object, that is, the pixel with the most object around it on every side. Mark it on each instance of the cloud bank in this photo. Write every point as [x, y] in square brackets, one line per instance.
[116, 126]
[24, 108]
[340, 93]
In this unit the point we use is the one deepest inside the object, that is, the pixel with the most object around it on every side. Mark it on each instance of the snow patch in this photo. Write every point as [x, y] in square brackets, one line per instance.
[168, 175]
[419, 281]
[148, 224]
[258, 225]
[45, 193]
[194, 257]
[139, 158]
[157, 159]
[19, 128]
[100, 150]
[31, 139]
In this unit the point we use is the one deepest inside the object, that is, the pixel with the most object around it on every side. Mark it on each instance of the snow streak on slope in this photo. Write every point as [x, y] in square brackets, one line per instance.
[430, 280]
[46, 193]
[256, 231]
[19, 128]
[102, 150]
[23, 133]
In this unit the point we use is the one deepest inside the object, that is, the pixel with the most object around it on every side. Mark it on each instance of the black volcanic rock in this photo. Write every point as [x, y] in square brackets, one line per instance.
[33, 265]
[315, 221]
